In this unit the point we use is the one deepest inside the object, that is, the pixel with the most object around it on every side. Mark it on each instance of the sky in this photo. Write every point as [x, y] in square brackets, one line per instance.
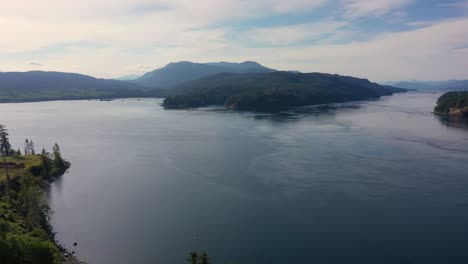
[382, 40]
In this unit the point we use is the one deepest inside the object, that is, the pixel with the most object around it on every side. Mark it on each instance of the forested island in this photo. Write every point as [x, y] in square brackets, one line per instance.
[453, 104]
[26, 235]
[273, 91]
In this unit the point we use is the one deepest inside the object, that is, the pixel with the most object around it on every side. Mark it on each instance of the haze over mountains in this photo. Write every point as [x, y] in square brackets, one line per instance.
[449, 85]
[248, 85]
[180, 72]
[41, 86]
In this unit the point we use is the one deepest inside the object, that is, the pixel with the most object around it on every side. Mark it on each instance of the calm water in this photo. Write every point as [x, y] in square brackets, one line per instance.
[369, 182]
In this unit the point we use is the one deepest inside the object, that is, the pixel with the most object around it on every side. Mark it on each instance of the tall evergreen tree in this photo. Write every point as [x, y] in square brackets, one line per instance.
[58, 160]
[5, 147]
[31, 148]
[26, 147]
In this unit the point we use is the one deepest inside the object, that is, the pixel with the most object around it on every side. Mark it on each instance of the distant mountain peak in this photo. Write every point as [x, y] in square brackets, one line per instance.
[251, 63]
[176, 73]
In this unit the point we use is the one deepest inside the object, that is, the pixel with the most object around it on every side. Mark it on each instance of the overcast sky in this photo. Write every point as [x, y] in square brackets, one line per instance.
[376, 39]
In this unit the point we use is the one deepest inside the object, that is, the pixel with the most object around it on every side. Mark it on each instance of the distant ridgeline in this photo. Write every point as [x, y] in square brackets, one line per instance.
[450, 85]
[246, 85]
[44, 86]
[273, 91]
[25, 232]
[453, 103]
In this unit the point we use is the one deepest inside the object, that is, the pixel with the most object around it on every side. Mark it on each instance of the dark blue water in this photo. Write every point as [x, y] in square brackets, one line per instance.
[381, 181]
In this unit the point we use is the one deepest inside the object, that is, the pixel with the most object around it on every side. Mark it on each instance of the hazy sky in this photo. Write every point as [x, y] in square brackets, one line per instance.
[377, 39]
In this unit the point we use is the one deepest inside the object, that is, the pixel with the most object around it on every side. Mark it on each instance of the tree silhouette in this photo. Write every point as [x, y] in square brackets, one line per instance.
[31, 148]
[26, 147]
[204, 259]
[193, 257]
[5, 147]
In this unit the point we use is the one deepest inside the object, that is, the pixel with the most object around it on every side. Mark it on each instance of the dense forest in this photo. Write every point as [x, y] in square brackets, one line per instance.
[453, 103]
[25, 233]
[273, 91]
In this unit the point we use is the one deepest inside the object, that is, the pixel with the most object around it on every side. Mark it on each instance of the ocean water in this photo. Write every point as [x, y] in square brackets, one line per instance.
[381, 181]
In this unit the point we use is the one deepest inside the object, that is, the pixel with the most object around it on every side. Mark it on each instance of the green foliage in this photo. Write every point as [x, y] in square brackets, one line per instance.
[25, 234]
[32, 203]
[450, 101]
[20, 242]
[24, 248]
[59, 163]
[5, 147]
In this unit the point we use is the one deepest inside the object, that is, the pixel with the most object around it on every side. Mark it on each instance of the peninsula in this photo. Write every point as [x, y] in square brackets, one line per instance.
[453, 104]
[26, 235]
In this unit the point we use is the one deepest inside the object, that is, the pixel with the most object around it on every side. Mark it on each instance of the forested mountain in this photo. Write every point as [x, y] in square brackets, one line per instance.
[273, 91]
[180, 72]
[451, 85]
[41, 86]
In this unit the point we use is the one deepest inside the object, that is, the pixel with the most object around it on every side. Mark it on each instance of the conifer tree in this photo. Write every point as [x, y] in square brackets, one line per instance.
[5, 147]
[31, 148]
[26, 147]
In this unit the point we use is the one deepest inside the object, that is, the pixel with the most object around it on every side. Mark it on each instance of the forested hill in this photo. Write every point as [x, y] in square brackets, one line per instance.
[273, 91]
[179, 72]
[43, 86]
[453, 103]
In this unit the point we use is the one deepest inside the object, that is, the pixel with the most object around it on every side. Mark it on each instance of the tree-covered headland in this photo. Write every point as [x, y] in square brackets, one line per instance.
[25, 232]
[453, 103]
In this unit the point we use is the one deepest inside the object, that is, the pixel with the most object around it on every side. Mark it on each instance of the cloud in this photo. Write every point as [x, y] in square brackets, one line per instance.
[34, 63]
[110, 38]
[53, 10]
[431, 52]
[462, 4]
[362, 8]
[286, 35]
[141, 67]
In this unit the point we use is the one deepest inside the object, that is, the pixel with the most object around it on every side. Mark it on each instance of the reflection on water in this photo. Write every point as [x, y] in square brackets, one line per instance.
[380, 181]
[453, 121]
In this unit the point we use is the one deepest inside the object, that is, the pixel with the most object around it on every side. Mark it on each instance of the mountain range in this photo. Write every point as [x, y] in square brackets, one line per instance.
[246, 85]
